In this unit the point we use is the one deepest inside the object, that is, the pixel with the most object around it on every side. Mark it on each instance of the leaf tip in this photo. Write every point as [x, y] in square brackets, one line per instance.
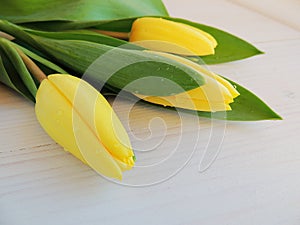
[259, 52]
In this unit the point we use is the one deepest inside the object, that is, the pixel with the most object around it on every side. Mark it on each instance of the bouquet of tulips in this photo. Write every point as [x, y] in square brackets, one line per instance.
[164, 57]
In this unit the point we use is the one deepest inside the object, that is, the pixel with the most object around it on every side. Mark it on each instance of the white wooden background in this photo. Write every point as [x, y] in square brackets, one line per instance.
[254, 181]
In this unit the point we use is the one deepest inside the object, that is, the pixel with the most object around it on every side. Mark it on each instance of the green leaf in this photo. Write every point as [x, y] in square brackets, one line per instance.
[116, 16]
[8, 81]
[10, 77]
[123, 25]
[119, 25]
[14, 73]
[42, 61]
[25, 34]
[123, 66]
[24, 11]
[78, 55]
[19, 65]
[230, 47]
[17, 32]
[246, 107]
[84, 35]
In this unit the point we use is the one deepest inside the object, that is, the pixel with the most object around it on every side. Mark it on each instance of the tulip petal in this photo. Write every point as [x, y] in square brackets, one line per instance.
[190, 41]
[70, 118]
[215, 95]
[102, 119]
[186, 101]
[207, 35]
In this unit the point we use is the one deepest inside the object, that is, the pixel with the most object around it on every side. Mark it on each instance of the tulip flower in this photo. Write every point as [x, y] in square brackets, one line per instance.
[80, 119]
[215, 95]
[168, 36]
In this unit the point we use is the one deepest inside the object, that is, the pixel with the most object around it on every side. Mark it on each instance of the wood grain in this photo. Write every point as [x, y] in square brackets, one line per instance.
[254, 180]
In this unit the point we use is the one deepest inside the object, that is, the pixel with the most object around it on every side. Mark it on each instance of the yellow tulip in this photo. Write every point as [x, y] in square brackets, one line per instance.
[80, 119]
[168, 36]
[215, 95]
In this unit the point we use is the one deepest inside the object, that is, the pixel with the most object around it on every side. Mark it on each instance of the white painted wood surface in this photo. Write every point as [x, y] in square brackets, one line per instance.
[255, 179]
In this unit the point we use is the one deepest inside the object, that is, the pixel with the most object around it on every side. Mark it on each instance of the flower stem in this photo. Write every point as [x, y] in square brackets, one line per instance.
[6, 36]
[119, 35]
[32, 67]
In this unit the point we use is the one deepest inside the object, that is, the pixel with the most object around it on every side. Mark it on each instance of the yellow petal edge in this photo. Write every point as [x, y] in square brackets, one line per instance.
[215, 95]
[168, 36]
[80, 119]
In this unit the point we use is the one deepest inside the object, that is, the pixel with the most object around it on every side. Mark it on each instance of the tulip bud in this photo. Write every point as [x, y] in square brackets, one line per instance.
[168, 36]
[215, 95]
[80, 119]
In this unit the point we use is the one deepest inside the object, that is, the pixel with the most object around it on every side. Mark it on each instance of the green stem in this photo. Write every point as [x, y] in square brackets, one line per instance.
[6, 36]
[119, 35]
[32, 67]
[19, 33]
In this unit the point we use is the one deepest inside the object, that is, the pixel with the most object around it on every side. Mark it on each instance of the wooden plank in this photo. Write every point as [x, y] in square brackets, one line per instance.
[255, 179]
[283, 11]
[234, 18]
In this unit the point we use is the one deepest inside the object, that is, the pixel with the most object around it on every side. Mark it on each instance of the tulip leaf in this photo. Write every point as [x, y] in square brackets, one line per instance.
[82, 48]
[246, 107]
[4, 78]
[19, 65]
[84, 35]
[119, 25]
[20, 11]
[48, 65]
[230, 47]
[14, 73]
[78, 55]
[133, 65]
[10, 77]
[24, 34]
